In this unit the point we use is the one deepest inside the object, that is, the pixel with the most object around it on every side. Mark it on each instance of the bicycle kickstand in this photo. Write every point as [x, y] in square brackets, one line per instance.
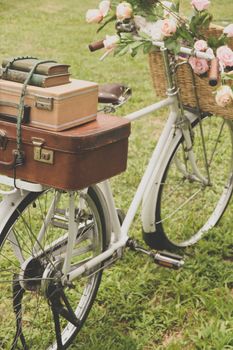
[164, 258]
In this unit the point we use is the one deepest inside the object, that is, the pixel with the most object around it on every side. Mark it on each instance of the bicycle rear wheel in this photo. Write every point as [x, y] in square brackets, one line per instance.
[186, 208]
[37, 311]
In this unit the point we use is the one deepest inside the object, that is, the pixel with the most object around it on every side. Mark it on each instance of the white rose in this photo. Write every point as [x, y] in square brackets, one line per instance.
[104, 7]
[154, 30]
[140, 22]
[111, 41]
[94, 16]
[224, 96]
[124, 10]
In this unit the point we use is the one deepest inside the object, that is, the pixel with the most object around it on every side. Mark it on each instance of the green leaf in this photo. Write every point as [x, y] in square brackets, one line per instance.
[136, 44]
[133, 52]
[215, 42]
[200, 20]
[206, 18]
[121, 50]
[144, 36]
[227, 76]
[147, 47]
[127, 37]
[172, 45]
[176, 6]
[111, 19]
[185, 34]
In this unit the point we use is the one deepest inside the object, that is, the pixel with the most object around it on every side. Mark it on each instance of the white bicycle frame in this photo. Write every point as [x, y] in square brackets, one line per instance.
[146, 192]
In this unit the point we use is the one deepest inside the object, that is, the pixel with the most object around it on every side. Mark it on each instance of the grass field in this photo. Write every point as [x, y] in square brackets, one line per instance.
[139, 305]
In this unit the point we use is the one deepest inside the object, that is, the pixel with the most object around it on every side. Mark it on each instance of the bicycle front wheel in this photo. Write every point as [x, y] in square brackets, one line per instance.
[37, 310]
[186, 208]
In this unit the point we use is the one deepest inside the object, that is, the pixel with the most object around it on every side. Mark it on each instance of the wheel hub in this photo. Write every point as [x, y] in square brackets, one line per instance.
[31, 274]
[52, 275]
[36, 273]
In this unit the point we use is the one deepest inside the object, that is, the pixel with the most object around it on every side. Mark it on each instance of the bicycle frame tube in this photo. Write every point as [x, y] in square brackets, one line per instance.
[153, 172]
[153, 166]
[120, 234]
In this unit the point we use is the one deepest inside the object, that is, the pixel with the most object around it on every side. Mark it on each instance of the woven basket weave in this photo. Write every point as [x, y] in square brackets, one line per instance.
[184, 79]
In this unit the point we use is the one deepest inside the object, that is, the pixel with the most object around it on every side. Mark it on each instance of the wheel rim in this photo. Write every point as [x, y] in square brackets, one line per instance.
[37, 269]
[187, 208]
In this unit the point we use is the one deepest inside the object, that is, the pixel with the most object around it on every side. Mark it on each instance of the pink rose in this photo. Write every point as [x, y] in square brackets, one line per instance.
[104, 7]
[201, 45]
[229, 31]
[94, 16]
[200, 5]
[111, 41]
[224, 96]
[124, 10]
[169, 27]
[97, 15]
[225, 56]
[199, 65]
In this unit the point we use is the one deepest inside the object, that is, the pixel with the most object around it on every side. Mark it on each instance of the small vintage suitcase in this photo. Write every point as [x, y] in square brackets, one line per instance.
[70, 159]
[55, 108]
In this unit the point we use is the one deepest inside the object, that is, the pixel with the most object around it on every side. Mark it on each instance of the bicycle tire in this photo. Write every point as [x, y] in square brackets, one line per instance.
[181, 217]
[21, 232]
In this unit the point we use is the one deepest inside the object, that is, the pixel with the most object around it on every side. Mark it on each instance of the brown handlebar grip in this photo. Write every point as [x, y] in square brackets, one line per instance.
[96, 46]
[214, 72]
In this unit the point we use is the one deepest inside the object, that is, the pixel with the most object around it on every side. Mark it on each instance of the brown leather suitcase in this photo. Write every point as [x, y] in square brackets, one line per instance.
[71, 159]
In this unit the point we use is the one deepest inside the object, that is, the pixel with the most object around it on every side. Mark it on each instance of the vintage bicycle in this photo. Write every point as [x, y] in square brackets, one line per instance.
[55, 243]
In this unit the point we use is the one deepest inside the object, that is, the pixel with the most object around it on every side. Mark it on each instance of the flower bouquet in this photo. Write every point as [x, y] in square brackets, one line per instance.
[140, 23]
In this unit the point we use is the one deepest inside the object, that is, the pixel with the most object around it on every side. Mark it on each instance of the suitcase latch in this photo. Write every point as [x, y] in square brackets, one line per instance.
[41, 154]
[43, 102]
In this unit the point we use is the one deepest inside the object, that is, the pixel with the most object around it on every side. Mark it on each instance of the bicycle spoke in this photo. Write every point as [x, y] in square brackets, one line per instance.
[180, 207]
[183, 195]
[41, 270]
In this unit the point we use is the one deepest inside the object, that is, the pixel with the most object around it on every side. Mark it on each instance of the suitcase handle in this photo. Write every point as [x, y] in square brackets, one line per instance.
[10, 165]
[12, 118]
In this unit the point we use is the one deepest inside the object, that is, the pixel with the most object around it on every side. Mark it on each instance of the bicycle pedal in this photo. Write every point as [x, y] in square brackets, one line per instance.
[167, 259]
[164, 258]
[170, 255]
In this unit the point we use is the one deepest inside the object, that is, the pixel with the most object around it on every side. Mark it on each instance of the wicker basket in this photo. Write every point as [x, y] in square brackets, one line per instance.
[184, 78]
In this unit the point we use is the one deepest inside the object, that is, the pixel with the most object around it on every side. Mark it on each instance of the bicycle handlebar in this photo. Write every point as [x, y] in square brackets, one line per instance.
[187, 51]
[160, 44]
[96, 45]
[214, 72]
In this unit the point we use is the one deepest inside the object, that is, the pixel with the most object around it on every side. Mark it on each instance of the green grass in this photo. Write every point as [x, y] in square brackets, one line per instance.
[139, 306]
